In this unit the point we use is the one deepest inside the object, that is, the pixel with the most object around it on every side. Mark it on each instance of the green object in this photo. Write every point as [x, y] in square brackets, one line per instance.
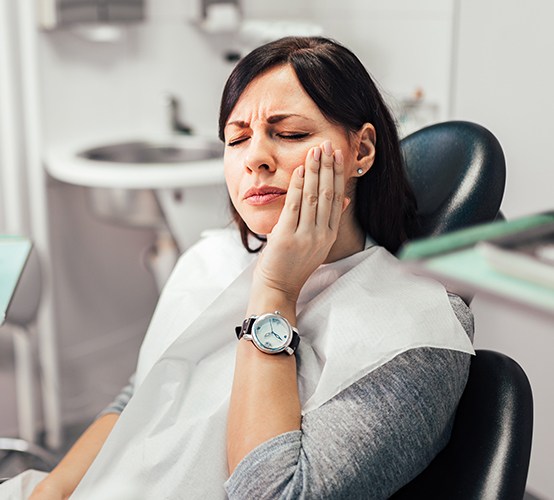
[469, 267]
[453, 259]
[14, 251]
[463, 238]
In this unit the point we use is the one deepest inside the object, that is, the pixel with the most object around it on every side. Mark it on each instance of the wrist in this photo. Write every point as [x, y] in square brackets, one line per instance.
[248, 352]
[265, 298]
[285, 289]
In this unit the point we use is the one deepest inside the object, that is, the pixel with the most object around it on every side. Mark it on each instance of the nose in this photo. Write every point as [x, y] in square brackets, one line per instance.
[259, 155]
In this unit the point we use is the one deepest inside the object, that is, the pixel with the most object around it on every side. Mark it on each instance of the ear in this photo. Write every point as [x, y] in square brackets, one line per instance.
[366, 148]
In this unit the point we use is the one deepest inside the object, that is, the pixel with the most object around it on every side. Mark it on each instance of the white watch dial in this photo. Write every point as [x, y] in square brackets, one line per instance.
[271, 333]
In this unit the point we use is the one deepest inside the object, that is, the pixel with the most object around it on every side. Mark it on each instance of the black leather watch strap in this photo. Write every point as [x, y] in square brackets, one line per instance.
[295, 340]
[246, 327]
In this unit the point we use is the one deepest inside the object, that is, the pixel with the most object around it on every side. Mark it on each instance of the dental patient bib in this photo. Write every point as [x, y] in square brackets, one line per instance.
[354, 315]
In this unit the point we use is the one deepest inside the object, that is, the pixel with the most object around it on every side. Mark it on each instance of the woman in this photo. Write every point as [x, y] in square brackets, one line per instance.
[347, 374]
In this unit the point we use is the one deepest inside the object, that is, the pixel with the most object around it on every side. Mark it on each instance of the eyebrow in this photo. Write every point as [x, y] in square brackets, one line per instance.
[271, 119]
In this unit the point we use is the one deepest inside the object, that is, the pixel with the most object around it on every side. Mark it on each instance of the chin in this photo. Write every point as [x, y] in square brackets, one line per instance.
[259, 224]
[261, 229]
[260, 219]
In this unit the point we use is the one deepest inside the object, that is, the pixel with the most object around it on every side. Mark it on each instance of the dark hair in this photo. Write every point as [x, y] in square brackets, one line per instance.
[341, 87]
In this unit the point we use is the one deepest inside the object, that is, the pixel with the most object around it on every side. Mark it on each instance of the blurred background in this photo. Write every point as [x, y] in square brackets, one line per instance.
[77, 75]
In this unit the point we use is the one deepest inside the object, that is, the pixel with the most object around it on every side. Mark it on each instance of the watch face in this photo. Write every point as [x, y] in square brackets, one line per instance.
[271, 333]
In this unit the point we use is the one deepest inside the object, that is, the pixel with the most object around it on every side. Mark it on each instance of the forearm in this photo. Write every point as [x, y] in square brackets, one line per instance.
[65, 477]
[264, 399]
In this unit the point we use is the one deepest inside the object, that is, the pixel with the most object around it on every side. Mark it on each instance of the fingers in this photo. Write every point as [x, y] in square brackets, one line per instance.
[322, 200]
[310, 195]
[326, 185]
[316, 192]
[293, 202]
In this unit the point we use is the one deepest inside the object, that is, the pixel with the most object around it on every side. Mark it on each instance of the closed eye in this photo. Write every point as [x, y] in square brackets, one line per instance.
[287, 136]
[236, 142]
[294, 137]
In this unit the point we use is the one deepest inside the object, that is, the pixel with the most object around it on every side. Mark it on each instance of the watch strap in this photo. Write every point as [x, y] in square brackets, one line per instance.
[295, 340]
[246, 327]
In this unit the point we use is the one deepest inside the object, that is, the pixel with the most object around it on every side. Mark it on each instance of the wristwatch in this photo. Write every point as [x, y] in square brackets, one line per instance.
[270, 333]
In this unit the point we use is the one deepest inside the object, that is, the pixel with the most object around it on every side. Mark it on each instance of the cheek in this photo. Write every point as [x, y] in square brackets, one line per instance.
[291, 156]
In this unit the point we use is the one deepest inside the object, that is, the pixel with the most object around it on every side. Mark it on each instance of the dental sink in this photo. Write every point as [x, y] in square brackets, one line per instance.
[191, 149]
[128, 163]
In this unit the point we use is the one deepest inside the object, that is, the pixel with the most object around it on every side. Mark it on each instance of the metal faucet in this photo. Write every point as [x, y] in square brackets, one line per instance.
[177, 126]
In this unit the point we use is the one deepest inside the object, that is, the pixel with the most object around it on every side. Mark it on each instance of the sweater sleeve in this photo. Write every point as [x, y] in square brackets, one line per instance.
[120, 402]
[369, 440]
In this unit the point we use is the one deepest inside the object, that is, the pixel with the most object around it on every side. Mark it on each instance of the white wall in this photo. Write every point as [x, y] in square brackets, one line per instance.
[405, 45]
[93, 88]
[504, 81]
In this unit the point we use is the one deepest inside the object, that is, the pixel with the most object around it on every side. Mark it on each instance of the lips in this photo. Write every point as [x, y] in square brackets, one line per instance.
[262, 195]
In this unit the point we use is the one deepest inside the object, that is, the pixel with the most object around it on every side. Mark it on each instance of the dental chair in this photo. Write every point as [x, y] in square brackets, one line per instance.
[488, 454]
[457, 171]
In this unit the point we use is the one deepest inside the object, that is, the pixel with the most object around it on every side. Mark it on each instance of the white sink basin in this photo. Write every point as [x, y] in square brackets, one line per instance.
[139, 164]
[138, 153]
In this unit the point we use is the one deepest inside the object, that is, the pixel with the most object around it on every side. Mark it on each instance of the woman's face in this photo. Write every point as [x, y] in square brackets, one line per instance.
[267, 136]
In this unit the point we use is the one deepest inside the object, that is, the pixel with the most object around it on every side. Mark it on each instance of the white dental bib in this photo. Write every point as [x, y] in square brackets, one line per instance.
[354, 316]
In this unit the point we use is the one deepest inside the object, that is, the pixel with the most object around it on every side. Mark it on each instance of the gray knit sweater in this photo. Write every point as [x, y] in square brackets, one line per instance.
[366, 442]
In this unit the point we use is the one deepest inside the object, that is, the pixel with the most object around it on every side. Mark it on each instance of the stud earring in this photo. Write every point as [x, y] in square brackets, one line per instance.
[360, 171]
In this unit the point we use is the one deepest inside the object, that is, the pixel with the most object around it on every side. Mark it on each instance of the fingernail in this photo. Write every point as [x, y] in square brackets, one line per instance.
[300, 171]
[317, 154]
[345, 203]
[339, 158]
[327, 148]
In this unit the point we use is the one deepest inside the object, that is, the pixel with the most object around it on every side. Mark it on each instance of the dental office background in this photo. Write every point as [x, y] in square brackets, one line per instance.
[486, 61]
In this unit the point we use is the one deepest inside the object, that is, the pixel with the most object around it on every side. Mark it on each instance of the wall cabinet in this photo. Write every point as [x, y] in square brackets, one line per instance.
[59, 13]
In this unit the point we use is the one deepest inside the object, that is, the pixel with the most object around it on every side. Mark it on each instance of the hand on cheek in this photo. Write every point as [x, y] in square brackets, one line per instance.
[308, 225]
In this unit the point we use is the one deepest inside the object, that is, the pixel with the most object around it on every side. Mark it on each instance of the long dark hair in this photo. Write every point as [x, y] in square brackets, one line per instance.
[341, 87]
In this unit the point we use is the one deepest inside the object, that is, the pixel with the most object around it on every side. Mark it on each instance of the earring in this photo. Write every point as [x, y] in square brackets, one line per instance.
[360, 171]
